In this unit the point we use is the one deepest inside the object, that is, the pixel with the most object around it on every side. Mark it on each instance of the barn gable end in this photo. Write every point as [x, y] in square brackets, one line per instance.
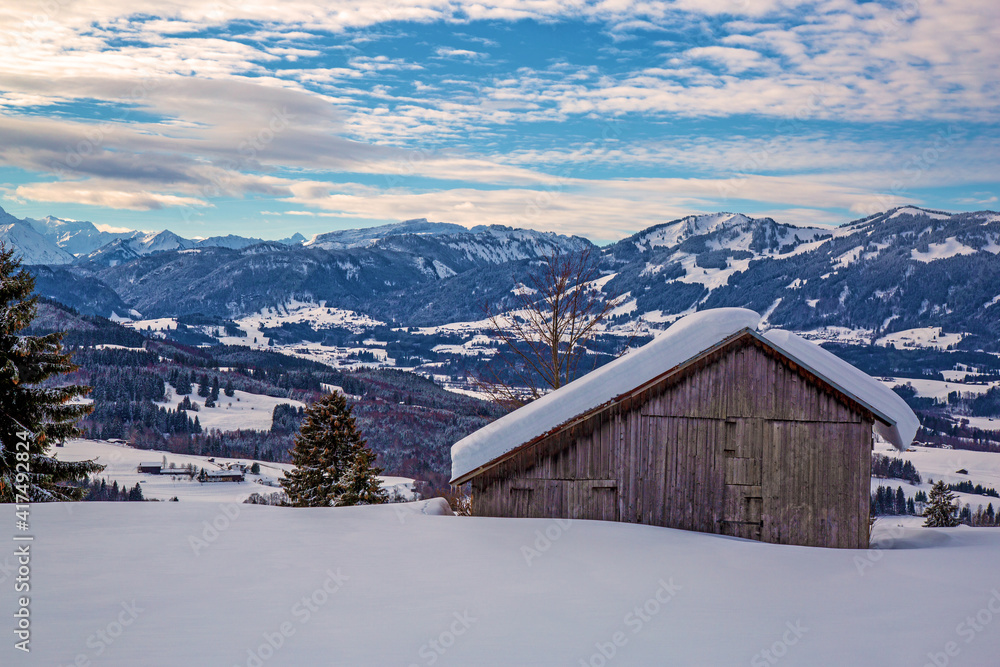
[739, 440]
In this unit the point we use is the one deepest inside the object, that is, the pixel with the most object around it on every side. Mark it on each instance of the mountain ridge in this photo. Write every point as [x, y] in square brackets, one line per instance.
[899, 269]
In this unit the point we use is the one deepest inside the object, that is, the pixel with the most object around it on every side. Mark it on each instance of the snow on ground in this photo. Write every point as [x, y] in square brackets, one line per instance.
[132, 315]
[848, 258]
[949, 248]
[122, 462]
[157, 324]
[766, 315]
[318, 315]
[923, 337]
[166, 584]
[939, 389]
[710, 278]
[659, 317]
[479, 344]
[934, 463]
[811, 245]
[626, 305]
[242, 410]
[983, 423]
[919, 212]
[838, 335]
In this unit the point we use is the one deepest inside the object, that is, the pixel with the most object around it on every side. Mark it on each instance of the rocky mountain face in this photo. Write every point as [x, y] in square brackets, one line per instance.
[58, 241]
[76, 237]
[904, 269]
[357, 274]
[31, 247]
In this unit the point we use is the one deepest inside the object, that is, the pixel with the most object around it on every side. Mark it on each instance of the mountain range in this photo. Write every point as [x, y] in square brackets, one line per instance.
[902, 269]
[59, 241]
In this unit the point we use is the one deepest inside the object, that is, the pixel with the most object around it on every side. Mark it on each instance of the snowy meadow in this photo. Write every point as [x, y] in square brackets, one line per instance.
[208, 583]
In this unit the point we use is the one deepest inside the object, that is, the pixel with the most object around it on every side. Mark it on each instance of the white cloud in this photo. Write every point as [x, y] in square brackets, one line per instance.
[104, 194]
[204, 117]
[465, 54]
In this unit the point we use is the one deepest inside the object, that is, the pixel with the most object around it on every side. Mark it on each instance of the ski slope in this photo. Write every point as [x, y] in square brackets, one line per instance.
[167, 584]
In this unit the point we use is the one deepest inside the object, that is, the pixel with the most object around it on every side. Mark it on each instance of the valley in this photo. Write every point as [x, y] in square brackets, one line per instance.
[907, 295]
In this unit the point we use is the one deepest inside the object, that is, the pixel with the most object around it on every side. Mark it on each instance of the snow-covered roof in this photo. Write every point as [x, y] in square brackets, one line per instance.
[896, 421]
[685, 339]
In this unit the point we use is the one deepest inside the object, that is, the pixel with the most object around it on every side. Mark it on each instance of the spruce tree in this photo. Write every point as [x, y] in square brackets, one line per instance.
[361, 485]
[183, 386]
[35, 412]
[940, 512]
[333, 465]
[229, 390]
[900, 504]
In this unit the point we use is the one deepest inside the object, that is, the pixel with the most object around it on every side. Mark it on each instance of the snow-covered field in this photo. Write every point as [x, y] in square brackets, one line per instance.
[949, 248]
[157, 324]
[940, 389]
[838, 335]
[219, 584]
[984, 423]
[122, 462]
[926, 337]
[933, 463]
[242, 410]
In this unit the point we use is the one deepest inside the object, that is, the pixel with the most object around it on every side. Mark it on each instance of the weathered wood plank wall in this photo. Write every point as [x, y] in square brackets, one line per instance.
[742, 444]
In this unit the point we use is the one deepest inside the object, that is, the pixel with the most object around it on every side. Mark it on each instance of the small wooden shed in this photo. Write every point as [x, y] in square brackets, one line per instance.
[744, 434]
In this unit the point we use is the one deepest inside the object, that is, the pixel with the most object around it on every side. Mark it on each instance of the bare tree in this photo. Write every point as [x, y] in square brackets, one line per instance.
[544, 333]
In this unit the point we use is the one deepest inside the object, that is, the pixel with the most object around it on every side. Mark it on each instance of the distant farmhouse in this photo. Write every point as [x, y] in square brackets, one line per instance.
[222, 476]
[237, 473]
[160, 469]
[713, 426]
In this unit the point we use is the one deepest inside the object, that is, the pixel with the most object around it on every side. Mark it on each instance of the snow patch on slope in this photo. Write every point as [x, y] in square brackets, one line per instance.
[949, 248]
[242, 410]
[671, 234]
[710, 278]
[923, 337]
[911, 210]
[848, 258]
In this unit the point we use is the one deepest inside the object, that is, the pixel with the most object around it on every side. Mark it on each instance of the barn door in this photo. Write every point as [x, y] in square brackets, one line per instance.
[743, 501]
[565, 498]
[593, 499]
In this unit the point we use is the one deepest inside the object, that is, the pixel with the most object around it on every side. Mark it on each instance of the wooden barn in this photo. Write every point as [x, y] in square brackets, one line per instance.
[713, 427]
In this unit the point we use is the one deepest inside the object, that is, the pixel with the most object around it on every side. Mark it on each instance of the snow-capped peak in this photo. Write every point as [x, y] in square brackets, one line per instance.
[673, 233]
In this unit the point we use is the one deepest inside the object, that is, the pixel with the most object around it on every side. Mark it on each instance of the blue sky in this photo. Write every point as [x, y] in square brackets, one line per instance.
[590, 118]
